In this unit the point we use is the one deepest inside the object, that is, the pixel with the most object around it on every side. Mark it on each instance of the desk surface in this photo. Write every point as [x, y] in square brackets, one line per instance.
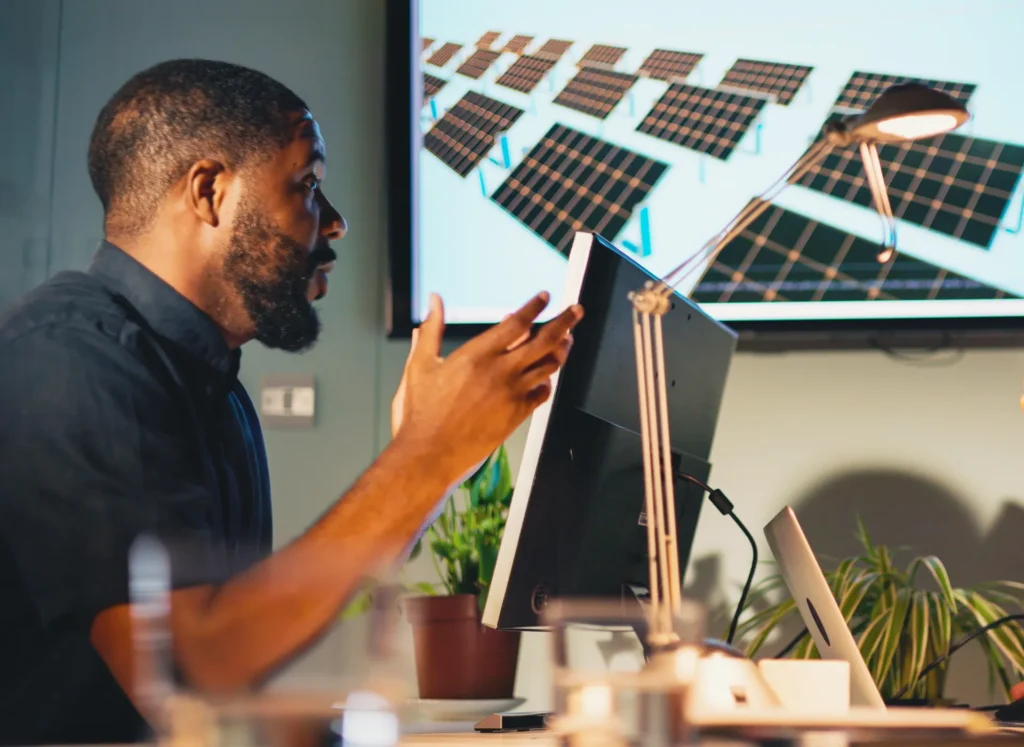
[514, 739]
[544, 739]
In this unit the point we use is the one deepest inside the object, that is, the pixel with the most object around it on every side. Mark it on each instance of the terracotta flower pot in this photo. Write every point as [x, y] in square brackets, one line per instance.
[457, 657]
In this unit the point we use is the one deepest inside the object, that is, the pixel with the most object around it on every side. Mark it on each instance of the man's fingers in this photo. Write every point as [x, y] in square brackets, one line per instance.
[508, 332]
[516, 343]
[550, 336]
[412, 343]
[538, 396]
[427, 345]
[540, 374]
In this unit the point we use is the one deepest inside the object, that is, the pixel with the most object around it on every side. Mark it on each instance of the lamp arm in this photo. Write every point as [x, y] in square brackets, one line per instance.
[649, 306]
[750, 212]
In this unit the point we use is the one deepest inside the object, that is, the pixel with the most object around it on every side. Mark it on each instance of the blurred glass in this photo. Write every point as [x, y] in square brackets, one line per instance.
[357, 703]
[609, 687]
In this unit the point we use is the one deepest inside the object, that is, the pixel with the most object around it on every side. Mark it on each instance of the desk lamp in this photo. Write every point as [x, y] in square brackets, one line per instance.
[900, 114]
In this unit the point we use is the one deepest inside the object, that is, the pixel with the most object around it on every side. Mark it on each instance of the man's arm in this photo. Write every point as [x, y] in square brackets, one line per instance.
[232, 635]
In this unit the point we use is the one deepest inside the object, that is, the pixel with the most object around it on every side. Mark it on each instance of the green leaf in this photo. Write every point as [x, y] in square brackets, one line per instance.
[1014, 585]
[871, 637]
[939, 573]
[416, 549]
[856, 592]
[806, 649]
[779, 613]
[942, 619]
[884, 559]
[841, 577]
[759, 618]
[896, 618]
[766, 585]
[1009, 645]
[425, 588]
[359, 605]
[864, 539]
[918, 629]
[442, 549]
[488, 558]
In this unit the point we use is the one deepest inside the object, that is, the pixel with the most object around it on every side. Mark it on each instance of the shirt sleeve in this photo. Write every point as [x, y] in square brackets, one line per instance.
[92, 457]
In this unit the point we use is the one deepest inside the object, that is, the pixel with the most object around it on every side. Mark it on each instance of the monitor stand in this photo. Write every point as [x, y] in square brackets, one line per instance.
[498, 723]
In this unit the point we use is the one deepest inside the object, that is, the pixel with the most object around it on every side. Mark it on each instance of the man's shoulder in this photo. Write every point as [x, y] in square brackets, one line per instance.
[72, 328]
[69, 302]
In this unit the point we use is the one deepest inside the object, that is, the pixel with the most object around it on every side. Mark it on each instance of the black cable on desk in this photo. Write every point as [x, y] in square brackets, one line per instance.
[724, 505]
[792, 644]
[956, 647]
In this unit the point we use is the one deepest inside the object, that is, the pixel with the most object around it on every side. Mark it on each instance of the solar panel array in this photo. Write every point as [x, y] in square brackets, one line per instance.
[525, 73]
[595, 92]
[478, 63]
[777, 78]
[468, 131]
[785, 256]
[487, 40]
[553, 49]
[444, 55]
[702, 119]
[669, 65]
[517, 44]
[862, 89]
[955, 185]
[602, 55]
[431, 85]
[572, 182]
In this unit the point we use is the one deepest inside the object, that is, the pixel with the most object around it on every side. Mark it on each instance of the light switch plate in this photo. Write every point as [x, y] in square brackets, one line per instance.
[288, 401]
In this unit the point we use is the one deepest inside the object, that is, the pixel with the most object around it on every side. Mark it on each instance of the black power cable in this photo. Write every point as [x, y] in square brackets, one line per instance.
[956, 647]
[724, 505]
[792, 644]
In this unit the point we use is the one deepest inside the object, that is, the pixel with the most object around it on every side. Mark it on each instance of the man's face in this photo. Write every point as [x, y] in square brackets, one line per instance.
[279, 256]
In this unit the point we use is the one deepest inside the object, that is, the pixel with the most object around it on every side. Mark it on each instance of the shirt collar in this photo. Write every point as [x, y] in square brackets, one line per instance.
[168, 313]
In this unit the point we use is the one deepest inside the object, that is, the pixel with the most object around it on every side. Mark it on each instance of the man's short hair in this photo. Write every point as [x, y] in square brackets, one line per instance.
[166, 118]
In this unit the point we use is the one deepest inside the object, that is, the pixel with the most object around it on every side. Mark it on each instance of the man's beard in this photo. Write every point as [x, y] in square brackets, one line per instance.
[271, 273]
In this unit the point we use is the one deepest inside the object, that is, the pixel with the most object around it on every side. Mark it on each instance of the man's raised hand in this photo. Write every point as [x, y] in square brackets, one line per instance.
[463, 407]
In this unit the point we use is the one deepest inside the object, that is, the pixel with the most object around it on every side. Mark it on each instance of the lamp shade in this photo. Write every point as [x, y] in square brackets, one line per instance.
[908, 111]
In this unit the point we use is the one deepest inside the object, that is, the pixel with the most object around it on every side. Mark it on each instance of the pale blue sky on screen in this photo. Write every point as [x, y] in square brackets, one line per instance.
[485, 262]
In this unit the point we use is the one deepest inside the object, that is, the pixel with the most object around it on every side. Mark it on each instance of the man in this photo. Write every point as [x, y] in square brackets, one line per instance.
[121, 413]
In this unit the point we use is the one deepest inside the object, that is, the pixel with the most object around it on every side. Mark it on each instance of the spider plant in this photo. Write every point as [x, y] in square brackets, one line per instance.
[463, 541]
[901, 626]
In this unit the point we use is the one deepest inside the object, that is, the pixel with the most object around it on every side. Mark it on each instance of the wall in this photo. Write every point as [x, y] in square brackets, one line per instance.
[927, 454]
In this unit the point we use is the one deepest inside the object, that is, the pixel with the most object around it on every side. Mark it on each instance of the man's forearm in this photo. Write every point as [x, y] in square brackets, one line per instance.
[239, 634]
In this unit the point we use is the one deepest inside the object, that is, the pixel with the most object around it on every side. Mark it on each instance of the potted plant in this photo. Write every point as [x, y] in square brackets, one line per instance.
[901, 627]
[457, 657]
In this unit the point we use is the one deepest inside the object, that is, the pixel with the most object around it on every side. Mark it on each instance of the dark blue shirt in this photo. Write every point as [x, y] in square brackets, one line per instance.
[121, 413]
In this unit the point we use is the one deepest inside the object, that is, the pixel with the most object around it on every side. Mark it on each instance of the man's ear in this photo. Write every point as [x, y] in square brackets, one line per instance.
[207, 185]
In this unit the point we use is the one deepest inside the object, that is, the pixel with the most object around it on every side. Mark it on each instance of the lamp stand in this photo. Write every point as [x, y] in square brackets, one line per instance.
[650, 304]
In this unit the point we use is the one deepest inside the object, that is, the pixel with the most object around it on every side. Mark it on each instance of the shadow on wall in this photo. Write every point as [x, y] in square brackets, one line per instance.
[913, 515]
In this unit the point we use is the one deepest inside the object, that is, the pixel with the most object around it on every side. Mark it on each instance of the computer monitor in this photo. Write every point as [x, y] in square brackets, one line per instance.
[576, 525]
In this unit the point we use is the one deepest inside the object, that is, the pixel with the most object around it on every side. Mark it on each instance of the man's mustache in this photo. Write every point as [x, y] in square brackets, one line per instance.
[322, 254]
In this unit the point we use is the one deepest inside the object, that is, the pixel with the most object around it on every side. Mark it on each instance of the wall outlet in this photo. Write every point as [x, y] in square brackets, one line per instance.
[288, 401]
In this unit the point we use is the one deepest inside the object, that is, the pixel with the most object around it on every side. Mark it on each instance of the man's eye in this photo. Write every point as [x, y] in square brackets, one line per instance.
[312, 183]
